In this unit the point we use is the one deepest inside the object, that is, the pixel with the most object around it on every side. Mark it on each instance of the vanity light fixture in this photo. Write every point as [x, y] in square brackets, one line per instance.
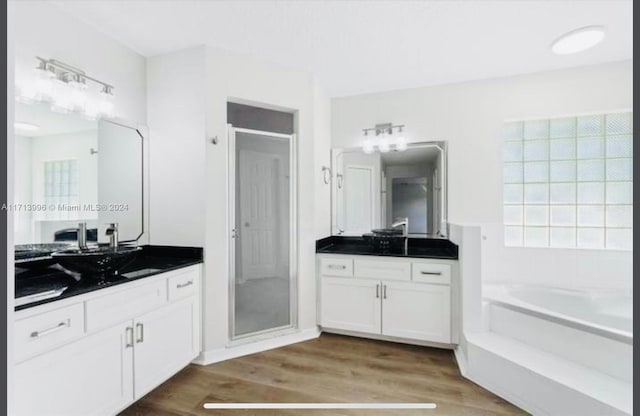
[67, 90]
[384, 139]
[578, 40]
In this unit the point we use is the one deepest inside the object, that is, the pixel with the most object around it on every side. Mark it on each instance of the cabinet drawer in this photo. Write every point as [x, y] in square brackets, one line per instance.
[117, 307]
[431, 273]
[182, 285]
[40, 333]
[381, 269]
[336, 267]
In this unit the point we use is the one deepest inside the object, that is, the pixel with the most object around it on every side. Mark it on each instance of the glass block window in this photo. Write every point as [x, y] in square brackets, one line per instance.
[61, 187]
[568, 182]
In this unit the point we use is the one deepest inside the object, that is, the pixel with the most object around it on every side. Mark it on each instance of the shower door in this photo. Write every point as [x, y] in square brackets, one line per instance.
[262, 232]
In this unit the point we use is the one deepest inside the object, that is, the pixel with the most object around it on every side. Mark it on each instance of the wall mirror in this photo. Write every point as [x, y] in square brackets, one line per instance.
[372, 190]
[70, 169]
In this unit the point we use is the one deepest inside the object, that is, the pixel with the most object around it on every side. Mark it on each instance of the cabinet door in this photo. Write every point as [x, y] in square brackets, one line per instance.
[166, 340]
[350, 304]
[417, 311]
[92, 376]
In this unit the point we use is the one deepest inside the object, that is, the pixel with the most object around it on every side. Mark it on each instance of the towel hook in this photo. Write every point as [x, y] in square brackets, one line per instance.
[325, 178]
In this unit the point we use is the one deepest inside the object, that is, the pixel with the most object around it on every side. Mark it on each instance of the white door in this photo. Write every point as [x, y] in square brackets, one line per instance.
[416, 310]
[92, 376]
[165, 342]
[359, 202]
[350, 304]
[259, 217]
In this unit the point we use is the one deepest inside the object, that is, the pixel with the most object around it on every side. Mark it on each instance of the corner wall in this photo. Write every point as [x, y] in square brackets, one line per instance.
[469, 116]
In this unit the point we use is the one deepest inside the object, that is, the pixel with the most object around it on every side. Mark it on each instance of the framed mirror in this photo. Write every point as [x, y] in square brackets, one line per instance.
[373, 190]
[71, 169]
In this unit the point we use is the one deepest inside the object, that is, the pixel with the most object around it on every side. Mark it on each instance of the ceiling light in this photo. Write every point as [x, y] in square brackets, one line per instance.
[578, 40]
[21, 125]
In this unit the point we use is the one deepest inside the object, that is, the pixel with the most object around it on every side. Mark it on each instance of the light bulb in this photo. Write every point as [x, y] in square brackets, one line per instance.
[91, 109]
[61, 97]
[25, 93]
[44, 83]
[383, 143]
[105, 106]
[78, 95]
[367, 145]
[401, 143]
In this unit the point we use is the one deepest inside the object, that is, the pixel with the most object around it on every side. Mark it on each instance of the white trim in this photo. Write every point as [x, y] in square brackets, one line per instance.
[262, 133]
[222, 354]
[461, 360]
[388, 338]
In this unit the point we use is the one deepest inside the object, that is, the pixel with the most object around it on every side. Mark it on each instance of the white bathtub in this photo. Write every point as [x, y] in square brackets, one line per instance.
[604, 312]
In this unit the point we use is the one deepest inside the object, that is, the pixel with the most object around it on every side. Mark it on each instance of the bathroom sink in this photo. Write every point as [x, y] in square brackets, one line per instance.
[96, 262]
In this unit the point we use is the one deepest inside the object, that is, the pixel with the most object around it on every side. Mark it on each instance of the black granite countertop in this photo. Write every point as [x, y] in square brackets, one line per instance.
[152, 260]
[427, 248]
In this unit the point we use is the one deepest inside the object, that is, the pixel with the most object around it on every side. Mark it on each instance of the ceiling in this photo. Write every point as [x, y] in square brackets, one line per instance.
[49, 122]
[356, 47]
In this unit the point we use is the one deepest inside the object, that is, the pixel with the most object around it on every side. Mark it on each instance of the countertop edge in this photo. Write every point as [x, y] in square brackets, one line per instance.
[58, 300]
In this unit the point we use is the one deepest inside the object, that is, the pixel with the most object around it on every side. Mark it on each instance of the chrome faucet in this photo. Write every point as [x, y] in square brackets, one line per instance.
[404, 222]
[82, 236]
[112, 232]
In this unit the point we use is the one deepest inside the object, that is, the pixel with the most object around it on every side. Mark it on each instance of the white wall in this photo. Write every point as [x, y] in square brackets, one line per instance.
[322, 154]
[176, 117]
[189, 197]
[469, 116]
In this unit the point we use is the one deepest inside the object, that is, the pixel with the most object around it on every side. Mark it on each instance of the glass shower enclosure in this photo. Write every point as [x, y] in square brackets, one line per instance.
[263, 233]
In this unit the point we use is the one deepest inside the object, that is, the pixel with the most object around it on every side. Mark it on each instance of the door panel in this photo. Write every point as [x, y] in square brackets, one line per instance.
[350, 304]
[57, 383]
[417, 311]
[165, 341]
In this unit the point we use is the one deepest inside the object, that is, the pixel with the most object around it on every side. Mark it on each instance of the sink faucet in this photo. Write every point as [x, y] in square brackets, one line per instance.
[112, 232]
[404, 223]
[82, 236]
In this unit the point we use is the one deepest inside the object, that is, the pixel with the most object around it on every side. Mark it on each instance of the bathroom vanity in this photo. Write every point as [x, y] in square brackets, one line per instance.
[101, 345]
[376, 279]
[412, 297]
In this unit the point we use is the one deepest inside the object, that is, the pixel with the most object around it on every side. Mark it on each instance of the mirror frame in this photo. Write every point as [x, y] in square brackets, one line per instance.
[444, 203]
[143, 204]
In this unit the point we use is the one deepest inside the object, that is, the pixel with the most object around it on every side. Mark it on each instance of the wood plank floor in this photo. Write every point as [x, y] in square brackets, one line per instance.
[329, 369]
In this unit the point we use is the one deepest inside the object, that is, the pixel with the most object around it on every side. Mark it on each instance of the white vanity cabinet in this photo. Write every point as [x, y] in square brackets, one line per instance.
[408, 299]
[133, 337]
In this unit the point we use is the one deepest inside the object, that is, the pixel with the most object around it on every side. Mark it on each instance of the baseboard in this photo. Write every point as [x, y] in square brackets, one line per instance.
[461, 360]
[388, 338]
[222, 354]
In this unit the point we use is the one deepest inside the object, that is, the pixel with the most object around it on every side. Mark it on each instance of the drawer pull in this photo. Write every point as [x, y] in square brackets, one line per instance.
[61, 325]
[337, 266]
[181, 285]
[432, 273]
[139, 333]
[129, 337]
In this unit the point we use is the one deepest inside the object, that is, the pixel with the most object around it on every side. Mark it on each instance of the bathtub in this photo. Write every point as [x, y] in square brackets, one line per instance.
[606, 313]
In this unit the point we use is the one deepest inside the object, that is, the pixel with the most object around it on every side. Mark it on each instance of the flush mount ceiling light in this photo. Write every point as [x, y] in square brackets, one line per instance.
[578, 40]
[21, 125]
[384, 138]
[66, 89]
